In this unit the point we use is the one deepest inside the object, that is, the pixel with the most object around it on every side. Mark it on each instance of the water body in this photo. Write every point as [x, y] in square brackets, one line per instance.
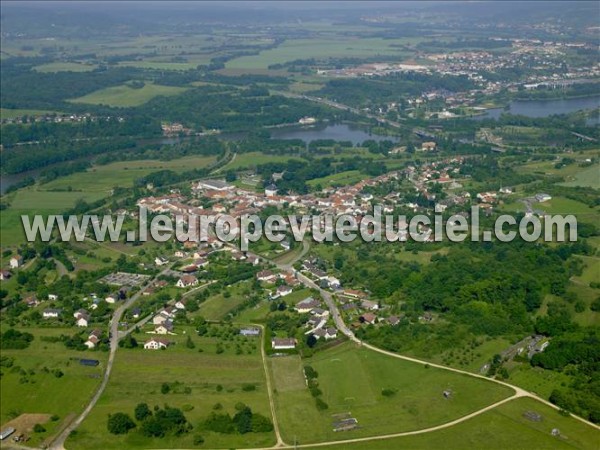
[543, 108]
[338, 132]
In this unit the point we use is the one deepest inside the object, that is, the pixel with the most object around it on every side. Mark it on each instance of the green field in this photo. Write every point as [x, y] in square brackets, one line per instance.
[44, 392]
[13, 113]
[122, 174]
[338, 179]
[217, 306]
[589, 177]
[352, 379]
[291, 50]
[124, 96]
[61, 194]
[138, 375]
[502, 428]
[64, 67]
[253, 159]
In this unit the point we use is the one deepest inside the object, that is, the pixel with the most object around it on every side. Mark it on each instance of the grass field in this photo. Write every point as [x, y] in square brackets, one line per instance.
[217, 306]
[44, 392]
[12, 113]
[253, 159]
[589, 177]
[31, 201]
[138, 375]
[123, 173]
[499, 429]
[338, 179]
[61, 194]
[125, 96]
[64, 67]
[352, 379]
[316, 48]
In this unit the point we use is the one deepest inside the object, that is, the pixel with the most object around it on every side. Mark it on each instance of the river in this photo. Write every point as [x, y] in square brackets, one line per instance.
[543, 108]
[337, 132]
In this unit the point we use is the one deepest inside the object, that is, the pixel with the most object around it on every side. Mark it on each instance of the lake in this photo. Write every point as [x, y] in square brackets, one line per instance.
[338, 132]
[543, 108]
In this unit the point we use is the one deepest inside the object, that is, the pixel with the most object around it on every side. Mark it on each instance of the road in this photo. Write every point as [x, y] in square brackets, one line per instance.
[343, 107]
[59, 441]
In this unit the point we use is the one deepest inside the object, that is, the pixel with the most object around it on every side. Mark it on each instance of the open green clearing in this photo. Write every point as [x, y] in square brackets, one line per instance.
[352, 380]
[589, 177]
[123, 173]
[64, 67]
[316, 48]
[338, 179]
[61, 194]
[501, 428]
[138, 375]
[30, 201]
[217, 306]
[6, 113]
[125, 96]
[253, 159]
[44, 393]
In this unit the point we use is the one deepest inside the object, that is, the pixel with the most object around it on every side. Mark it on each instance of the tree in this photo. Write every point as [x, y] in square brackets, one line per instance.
[189, 343]
[165, 388]
[38, 428]
[120, 423]
[311, 340]
[142, 411]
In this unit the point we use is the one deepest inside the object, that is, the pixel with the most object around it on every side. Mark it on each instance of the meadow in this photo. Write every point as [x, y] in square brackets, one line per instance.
[61, 194]
[65, 67]
[352, 379]
[138, 375]
[124, 96]
[253, 159]
[26, 388]
[501, 428]
[328, 47]
[588, 177]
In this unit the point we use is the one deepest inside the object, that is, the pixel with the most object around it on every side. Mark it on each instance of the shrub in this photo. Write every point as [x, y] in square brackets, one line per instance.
[120, 423]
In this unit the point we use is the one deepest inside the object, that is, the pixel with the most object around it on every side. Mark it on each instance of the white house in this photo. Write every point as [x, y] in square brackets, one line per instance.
[51, 313]
[82, 320]
[283, 290]
[16, 262]
[306, 305]
[112, 298]
[266, 275]
[180, 304]
[156, 344]
[52, 297]
[283, 343]
[164, 328]
[161, 317]
[187, 281]
[161, 261]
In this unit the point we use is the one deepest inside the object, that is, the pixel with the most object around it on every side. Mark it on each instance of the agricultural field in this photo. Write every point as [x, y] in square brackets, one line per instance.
[588, 177]
[253, 159]
[125, 96]
[122, 174]
[205, 378]
[501, 428]
[65, 67]
[13, 113]
[352, 379]
[27, 388]
[316, 48]
[338, 179]
[217, 307]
